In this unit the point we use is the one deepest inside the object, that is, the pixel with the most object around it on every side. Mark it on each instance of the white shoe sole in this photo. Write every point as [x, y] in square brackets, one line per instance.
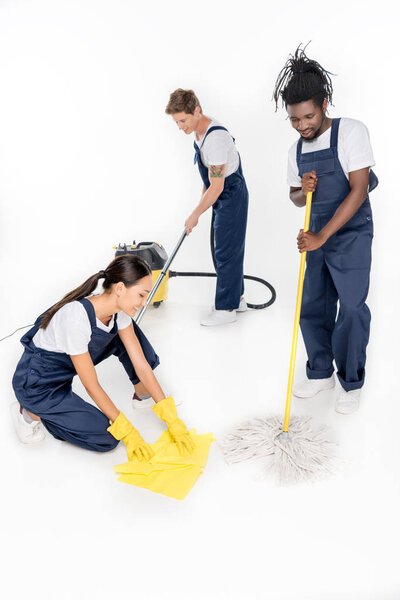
[213, 320]
[342, 409]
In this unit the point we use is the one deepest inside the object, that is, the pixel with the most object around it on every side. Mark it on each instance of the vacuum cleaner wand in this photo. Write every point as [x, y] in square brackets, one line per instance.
[166, 266]
[250, 277]
[160, 277]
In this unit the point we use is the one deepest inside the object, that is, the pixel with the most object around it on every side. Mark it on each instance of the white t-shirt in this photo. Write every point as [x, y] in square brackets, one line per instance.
[218, 149]
[354, 149]
[69, 331]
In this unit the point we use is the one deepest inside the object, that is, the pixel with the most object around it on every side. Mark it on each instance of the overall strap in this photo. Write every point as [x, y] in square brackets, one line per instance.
[88, 306]
[196, 146]
[298, 150]
[214, 128]
[334, 132]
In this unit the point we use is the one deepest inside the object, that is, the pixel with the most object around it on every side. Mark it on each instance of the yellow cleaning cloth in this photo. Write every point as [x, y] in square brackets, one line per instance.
[168, 472]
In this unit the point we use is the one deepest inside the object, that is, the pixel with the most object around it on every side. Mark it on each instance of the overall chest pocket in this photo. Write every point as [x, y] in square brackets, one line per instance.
[322, 167]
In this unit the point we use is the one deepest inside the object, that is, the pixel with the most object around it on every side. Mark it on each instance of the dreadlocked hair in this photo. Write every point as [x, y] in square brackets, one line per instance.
[302, 79]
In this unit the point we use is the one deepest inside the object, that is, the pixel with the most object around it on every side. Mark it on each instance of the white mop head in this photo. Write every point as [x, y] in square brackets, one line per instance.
[307, 454]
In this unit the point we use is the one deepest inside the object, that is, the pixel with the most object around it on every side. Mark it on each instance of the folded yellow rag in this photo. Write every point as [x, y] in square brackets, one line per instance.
[168, 472]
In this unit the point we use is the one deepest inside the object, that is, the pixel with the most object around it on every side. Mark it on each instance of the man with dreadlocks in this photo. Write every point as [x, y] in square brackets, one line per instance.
[332, 159]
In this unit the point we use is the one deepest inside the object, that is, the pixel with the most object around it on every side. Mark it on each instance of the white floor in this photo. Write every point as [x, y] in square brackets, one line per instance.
[70, 530]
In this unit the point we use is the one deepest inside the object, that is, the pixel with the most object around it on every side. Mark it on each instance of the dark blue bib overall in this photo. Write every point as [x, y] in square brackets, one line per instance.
[43, 384]
[339, 270]
[230, 219]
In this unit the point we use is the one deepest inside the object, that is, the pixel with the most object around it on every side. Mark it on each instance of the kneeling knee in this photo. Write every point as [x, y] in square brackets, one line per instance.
[110, 445]
[105, 445]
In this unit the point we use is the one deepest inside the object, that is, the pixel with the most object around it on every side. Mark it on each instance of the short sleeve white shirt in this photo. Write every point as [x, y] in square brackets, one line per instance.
[69, 331]
[218, 149]
[354, 149]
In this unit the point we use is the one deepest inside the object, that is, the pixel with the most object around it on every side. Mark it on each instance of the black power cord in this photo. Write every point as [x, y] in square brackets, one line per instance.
[200, 274]
[251, 277]
[11, 334]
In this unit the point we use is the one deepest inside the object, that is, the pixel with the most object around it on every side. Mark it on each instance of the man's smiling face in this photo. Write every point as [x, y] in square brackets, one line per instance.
[187, 123]
[307, 118]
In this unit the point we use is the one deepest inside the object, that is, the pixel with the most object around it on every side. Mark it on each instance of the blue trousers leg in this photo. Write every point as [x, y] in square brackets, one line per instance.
[318, 313]
[351, 332]
[63, 413]
[339, 270]
[230, 220]
[118, 350]
[78, 422]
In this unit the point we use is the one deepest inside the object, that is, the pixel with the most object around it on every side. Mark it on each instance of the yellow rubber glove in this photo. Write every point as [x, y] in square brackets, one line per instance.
[166, 411]
[136, 447]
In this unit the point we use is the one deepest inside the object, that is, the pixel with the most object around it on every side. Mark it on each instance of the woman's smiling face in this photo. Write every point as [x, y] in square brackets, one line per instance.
[131, 299]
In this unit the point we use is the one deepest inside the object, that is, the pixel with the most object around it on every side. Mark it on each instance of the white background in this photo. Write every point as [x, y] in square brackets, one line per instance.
[87, 159]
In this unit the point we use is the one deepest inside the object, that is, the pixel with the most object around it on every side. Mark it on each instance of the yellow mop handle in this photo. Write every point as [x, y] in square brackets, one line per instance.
[297, 319]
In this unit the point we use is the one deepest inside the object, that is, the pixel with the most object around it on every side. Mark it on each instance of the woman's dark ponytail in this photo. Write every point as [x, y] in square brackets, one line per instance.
[127, 268]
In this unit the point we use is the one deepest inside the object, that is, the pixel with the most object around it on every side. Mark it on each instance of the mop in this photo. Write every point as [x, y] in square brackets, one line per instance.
[304, 453]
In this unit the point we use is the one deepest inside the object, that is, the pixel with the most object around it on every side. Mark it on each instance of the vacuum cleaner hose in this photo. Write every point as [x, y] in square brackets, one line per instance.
[251, 277]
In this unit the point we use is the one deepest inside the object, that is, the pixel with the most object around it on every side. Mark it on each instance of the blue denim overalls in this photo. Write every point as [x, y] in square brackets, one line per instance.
[230, 219]
[339, 270]
[43, 384]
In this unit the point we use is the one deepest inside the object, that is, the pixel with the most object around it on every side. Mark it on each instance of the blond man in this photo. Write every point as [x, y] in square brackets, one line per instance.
[224, 189]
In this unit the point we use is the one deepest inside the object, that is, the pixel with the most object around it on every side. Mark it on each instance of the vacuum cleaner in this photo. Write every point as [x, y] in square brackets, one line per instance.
[155, 255]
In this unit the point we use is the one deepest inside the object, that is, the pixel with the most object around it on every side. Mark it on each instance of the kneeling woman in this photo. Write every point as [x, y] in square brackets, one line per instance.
[71, 338]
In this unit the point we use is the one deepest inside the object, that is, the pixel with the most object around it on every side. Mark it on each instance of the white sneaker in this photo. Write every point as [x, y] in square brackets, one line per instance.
[348, 402]
[27, 433]
[242, 306]
[310, 387]
[219, 317]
